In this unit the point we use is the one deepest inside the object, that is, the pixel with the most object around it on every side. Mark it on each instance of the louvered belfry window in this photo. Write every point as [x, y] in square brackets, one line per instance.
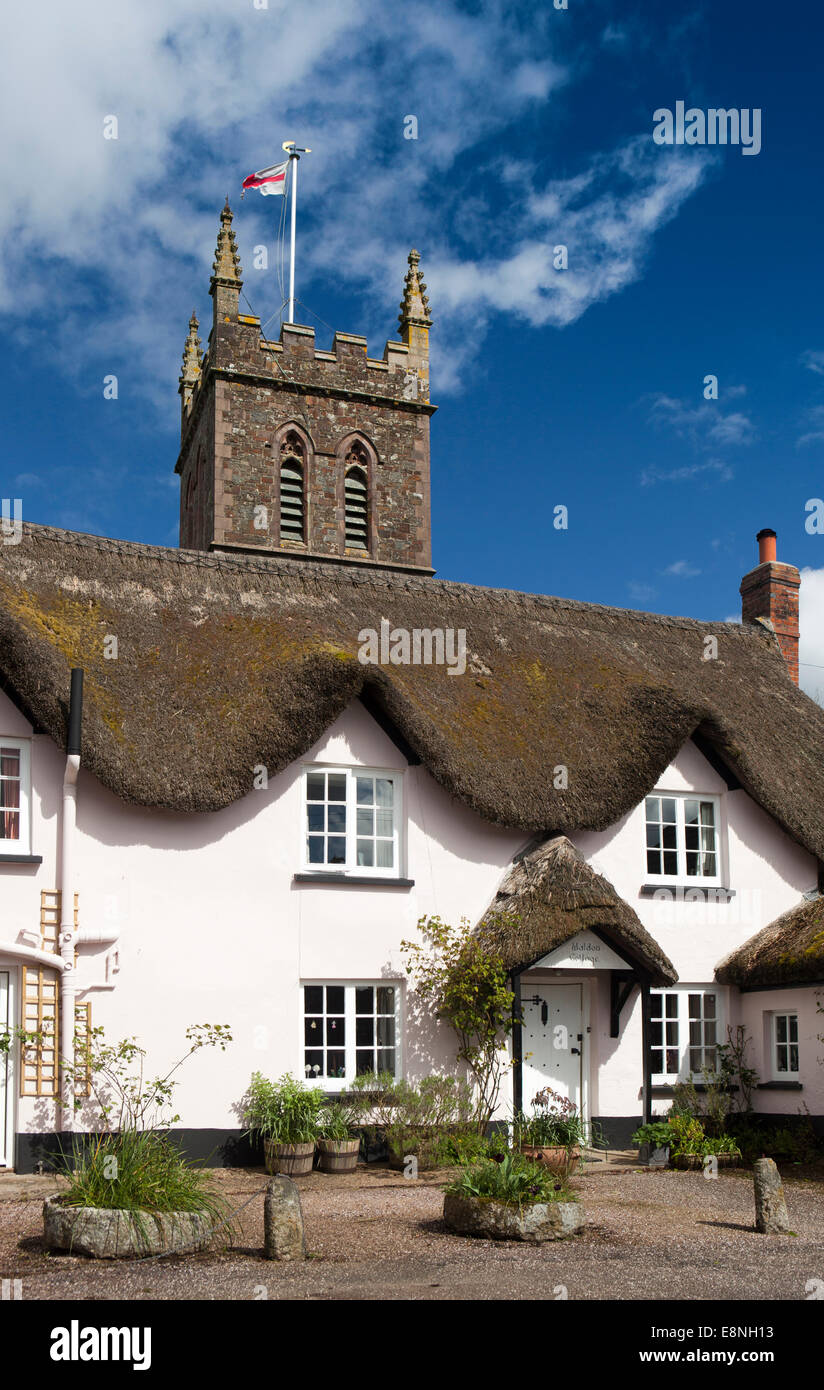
[356, 500]
[292, 505]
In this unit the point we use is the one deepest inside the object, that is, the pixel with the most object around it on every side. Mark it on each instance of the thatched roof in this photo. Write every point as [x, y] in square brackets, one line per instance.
[225, 662]
[790, 951]
[552, 894]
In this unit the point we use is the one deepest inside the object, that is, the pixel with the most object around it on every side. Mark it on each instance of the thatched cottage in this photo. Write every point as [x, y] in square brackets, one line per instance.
[291, 741]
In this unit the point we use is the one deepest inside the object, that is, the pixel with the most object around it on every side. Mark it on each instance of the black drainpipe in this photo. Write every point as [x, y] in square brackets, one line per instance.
[517, 1047]
[75, 711]
[645, 1046]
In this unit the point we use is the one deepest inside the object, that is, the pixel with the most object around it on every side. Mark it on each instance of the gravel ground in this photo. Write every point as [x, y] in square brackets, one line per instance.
[376, 1235]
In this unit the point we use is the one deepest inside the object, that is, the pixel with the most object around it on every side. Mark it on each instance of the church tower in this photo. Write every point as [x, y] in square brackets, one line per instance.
[289, 450]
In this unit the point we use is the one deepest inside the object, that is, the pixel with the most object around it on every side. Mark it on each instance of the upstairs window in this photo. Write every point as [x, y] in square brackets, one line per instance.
[352, 821]
[14, 797]
[292, 493]
[683, 839]
[356, 500]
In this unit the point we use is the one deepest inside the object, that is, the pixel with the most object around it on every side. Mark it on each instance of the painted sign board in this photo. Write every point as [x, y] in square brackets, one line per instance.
[585, 951]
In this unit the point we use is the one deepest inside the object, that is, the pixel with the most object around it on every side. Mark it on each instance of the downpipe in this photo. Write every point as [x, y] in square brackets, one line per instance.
[68, 981]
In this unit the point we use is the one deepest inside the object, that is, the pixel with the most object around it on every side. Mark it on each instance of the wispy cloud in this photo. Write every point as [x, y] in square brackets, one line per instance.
[713, 468]
[813, 359]
[108, 246]
[682, 569]
[814, 418]
[705, 425]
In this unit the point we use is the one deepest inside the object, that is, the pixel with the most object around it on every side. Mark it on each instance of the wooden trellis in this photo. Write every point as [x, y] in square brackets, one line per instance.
[39, 1069]
[82, 1038]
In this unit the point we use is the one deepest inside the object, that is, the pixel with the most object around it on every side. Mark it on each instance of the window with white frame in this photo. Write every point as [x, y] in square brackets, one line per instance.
[785, 1046]
[683, 838]
[352, 820]
[684, 1033]
[15, 796]
[348, 1030]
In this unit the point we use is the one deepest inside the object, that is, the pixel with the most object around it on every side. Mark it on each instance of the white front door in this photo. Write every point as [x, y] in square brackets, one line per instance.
[6, 1090]
[552, 1041]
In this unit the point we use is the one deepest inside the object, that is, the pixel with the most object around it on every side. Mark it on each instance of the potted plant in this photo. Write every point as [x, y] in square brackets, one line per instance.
[654, 1141]
[553, 1133]
[337, 1148]
[284, 1114]
[511, 1198]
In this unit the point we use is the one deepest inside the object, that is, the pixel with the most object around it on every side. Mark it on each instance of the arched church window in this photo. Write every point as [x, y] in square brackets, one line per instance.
[292, 496]
[356, 498]
[357, 531]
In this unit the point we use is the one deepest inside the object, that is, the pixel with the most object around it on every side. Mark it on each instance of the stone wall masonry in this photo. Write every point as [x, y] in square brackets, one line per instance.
[251, 389]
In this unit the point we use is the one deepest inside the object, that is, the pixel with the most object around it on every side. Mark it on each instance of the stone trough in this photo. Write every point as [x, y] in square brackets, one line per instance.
[478, 1216]
[108, 1234]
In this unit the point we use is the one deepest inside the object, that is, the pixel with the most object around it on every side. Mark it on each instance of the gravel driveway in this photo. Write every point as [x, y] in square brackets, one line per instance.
[376, 1235]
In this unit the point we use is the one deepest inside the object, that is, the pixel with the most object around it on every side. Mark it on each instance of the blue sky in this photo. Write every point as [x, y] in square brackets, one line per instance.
[581, 387]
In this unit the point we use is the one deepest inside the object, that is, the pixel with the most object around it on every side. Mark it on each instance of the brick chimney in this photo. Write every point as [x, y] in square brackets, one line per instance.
[770, 593]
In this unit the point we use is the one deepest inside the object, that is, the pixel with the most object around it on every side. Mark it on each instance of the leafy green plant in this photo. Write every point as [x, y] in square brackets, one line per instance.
[513, 1180]
[722, 1144]
[284, 1111]
[658, 1134]
[554, 1122]
[686, 1135]
[466, 986]
[336, 1121]
[140, 1170]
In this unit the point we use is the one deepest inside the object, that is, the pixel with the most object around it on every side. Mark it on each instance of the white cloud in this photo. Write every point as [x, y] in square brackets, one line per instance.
[109, 241]
[705, 425]
[713, 468]
[813, 359]
[682, 569]
[815, 419]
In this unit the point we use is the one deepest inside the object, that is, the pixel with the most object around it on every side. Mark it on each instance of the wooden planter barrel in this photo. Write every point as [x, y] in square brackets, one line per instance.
[293, 1159]
[338, 1155]
[559, 1159]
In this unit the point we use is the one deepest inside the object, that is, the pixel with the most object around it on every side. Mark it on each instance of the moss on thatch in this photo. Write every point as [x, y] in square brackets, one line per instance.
[790, 951]
[552, 894]
[226, 662]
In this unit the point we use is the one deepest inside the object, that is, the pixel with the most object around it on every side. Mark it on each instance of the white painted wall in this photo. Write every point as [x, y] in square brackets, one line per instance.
[213, 927]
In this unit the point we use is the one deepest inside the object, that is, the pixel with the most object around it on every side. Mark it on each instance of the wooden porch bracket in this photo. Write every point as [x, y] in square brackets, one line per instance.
[621, 985]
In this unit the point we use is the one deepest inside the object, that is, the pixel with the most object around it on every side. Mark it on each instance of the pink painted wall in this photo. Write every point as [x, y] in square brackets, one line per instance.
[213, 928]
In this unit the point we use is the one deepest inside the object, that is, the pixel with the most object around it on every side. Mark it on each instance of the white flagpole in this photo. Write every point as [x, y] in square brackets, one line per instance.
[294, 160]
[294, 151]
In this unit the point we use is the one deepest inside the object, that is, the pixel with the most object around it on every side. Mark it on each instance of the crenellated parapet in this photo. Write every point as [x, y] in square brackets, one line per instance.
[242, 394]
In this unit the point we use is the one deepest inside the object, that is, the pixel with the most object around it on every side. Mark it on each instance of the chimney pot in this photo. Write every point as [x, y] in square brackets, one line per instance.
[770, 594]
[766, 546]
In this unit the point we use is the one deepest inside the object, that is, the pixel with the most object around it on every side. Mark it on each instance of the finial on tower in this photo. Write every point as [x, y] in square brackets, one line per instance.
[192, 355]
[227, 268]
[415, 322]
[415, 304]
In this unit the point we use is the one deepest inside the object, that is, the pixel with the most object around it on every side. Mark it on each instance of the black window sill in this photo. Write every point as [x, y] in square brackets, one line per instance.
[699, 1086]
[354, 880]
[679, 890]
[780, 1086]
[21, 859]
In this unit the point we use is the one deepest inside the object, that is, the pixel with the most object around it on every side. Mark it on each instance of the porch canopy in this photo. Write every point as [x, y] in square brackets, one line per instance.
[551, 896]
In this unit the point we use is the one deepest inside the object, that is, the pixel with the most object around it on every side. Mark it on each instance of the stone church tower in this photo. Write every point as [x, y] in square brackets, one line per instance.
[289, 450]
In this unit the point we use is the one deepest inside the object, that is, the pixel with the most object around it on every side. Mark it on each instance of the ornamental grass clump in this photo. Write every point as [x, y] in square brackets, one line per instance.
[140, 1170]
[133, 1165]
[513, 1181]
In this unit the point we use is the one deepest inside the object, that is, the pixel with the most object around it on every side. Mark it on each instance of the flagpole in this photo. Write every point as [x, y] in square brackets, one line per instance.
[294, 160]
[294, 151]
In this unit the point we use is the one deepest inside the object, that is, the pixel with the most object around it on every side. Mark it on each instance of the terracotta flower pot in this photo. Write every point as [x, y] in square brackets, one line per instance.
[338, 1155]
[293, 1159]
[556, 1157]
